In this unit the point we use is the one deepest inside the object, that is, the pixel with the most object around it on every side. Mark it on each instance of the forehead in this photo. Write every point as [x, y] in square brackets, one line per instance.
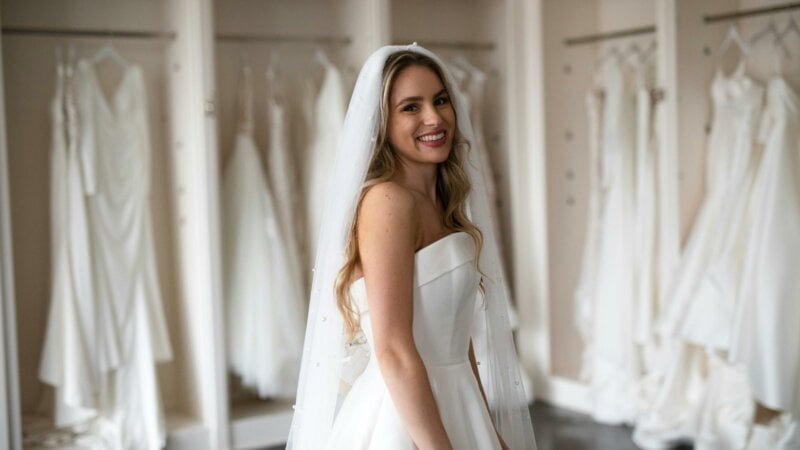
[416, 81]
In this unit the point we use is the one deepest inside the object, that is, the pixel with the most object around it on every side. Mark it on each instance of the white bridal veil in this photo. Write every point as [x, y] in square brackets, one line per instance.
[324, 347]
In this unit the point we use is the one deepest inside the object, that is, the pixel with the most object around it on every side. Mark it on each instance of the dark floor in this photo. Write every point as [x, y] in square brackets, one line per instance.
[560, 429]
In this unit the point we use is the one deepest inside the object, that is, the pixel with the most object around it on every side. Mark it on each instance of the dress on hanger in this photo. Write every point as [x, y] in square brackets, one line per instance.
[264, 316]
[115, 150]
[328, 117]
[613, 362]
[587, 281]
[646, 222]
[69, 357]
[445, 306]
[766, 338]
[702, 396]
[700, 303]
[282, 173]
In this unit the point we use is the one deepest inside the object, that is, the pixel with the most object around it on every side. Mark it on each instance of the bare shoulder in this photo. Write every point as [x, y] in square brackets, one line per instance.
[388, 210]
[388, 198]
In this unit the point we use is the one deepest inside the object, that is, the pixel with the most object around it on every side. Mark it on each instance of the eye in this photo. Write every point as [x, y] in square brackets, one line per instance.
[411, 107]
[443, 100]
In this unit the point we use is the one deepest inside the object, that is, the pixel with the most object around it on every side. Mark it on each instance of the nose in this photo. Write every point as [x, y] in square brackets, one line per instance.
[432, 116]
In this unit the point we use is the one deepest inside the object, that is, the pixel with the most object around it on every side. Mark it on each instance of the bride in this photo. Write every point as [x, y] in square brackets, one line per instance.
[407, 259]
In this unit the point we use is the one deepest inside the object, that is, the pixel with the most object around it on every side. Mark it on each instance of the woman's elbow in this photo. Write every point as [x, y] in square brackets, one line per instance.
[398, 357]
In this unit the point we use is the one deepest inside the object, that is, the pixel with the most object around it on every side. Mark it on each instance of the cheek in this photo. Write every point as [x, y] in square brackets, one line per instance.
[399, 130]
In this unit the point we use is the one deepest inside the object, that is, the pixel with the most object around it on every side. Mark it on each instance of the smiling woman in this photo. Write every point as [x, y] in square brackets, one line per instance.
[421, 118]
[408, 212]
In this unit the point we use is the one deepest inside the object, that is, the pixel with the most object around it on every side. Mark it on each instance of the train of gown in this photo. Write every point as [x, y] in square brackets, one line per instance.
[445, 303]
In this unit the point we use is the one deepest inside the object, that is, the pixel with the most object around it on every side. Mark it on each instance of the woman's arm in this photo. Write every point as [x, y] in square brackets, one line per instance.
[474, 365]
[387, 234]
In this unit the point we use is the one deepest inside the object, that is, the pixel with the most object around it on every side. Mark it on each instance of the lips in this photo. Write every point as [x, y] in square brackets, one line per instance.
[433, 139]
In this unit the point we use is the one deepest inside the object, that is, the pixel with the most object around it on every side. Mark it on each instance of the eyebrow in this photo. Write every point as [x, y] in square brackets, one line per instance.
[418, 98]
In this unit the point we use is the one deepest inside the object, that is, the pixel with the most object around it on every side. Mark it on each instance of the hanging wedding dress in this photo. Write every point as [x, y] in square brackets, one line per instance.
[72, 338]
[328, 117]
[700, 304]
[612, 358]
[587, 280]
[264, 317]
[766, 338]
[445, 305]
[646, 221]
[283, 178]
[703, 396]
[115, 150]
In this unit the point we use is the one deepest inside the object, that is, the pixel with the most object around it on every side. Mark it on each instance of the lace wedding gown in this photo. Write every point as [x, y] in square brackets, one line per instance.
[445, 302]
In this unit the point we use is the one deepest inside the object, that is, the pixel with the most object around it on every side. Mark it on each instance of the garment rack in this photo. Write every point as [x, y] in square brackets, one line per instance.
[277, 38]
[592, 38]
[104, 34]
[454, 45]
[734, 15]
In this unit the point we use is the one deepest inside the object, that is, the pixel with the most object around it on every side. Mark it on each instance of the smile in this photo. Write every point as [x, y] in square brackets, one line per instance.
[433, 139]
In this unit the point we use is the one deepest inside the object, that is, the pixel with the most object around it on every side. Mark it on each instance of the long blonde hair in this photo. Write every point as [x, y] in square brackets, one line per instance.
[452, 183]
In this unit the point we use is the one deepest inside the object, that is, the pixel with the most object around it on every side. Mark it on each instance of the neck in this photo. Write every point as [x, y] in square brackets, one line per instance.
[419, 178]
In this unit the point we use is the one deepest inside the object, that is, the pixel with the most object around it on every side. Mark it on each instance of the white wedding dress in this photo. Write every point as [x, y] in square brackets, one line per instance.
[282, 173]
[611, 359]
[262, 291]
[129, 326]
[445, 304]
[587, 280]
[69, 356]
[328, 117]
[766, 338]
[703, 396]
[700, 302]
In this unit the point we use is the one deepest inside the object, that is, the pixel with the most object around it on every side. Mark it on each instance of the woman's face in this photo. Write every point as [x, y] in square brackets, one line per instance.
[421, 117]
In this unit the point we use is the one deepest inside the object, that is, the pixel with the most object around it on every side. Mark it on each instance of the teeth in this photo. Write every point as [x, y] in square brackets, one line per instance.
[432, 137]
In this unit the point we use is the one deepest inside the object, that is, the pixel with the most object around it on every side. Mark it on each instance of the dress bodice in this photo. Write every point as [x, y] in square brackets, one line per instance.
[445, 287]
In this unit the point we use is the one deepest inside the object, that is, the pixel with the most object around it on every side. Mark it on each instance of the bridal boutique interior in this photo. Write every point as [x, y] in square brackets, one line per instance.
[630, 144]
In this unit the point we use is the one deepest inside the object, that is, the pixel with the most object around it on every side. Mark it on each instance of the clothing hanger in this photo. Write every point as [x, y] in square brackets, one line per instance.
[791, 26]
[71, 56]
[272, 67]
[272, 74]
[59, 56]
[109, 51]
[633, 50]
[245, 93]
[458, 73]
[613, 52]
[649, 51]
[733, 36]
[462, 61]
[321, 56]
[770, 30]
